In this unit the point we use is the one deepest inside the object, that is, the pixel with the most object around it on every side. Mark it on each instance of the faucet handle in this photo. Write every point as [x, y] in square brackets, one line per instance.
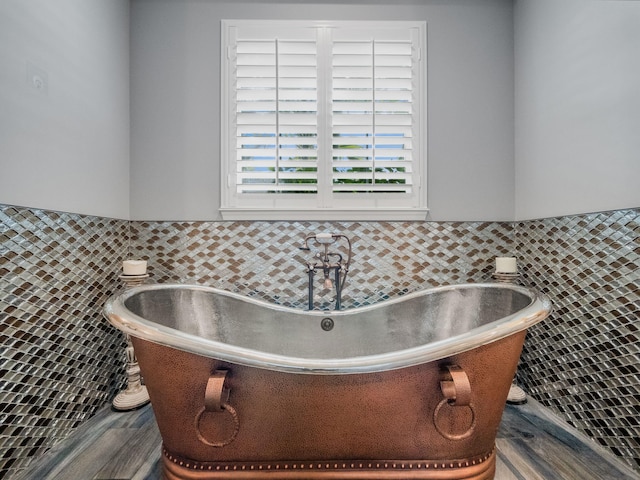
[325, 238]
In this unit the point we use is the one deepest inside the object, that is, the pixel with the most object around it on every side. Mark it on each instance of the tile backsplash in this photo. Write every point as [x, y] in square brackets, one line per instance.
[264, 258]
[583, 361]
[61, 361]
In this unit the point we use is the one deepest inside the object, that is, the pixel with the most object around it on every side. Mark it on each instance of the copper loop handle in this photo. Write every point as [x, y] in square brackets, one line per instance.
[236, 428]
[216, 395]
[216, 398]
[455, 386]
[449, 435]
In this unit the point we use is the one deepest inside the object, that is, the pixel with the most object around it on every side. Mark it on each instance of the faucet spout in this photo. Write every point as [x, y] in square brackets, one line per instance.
[328, 284]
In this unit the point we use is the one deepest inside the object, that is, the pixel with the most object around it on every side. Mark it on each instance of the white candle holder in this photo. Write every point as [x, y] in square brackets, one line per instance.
[135, 395]
[506, 277]
[517, 395]
[131, 281]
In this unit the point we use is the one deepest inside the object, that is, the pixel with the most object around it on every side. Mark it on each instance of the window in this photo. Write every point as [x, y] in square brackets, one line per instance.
[323, 120]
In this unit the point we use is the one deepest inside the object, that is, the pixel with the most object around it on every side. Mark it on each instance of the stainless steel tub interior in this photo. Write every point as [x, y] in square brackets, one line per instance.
[406, 331]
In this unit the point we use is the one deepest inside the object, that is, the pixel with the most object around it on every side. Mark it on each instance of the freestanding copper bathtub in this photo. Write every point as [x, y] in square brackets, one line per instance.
[408, 388]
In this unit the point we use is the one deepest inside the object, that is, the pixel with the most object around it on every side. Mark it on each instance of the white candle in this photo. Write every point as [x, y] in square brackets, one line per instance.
[506, 265]
[134, 267]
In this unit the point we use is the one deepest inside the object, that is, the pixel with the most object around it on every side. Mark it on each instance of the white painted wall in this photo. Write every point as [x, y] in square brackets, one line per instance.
[175, 95]
[577, 105]
[65, 147]
[577, 86]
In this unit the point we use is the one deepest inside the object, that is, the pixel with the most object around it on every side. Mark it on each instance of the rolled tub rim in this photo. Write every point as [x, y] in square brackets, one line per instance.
[128, 322]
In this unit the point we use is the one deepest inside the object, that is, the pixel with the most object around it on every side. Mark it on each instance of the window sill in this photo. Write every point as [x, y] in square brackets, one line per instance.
[373, 214]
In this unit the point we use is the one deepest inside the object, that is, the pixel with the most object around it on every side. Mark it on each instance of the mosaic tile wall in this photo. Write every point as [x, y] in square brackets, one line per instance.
[583, 362]
[60, 361]
[264, 258]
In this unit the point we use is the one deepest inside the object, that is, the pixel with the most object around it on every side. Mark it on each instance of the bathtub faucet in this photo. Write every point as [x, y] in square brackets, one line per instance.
[326, 261]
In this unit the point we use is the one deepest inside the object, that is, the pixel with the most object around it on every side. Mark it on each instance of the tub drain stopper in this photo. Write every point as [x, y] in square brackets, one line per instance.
[327, 324]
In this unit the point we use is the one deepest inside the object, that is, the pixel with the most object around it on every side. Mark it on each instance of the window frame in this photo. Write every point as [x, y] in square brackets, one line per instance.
[370, 206]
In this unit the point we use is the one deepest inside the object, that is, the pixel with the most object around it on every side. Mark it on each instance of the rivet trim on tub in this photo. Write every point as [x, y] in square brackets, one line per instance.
[326, 465]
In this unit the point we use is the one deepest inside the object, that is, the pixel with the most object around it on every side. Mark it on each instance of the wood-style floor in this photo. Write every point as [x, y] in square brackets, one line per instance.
[532, 445]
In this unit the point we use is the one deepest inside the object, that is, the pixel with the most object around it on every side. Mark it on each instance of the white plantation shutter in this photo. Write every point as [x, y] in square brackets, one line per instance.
[372, 110]
[276, 116]
[323, 120]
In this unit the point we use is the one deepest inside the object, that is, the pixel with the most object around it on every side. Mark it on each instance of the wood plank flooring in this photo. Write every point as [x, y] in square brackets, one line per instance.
[532, 444]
